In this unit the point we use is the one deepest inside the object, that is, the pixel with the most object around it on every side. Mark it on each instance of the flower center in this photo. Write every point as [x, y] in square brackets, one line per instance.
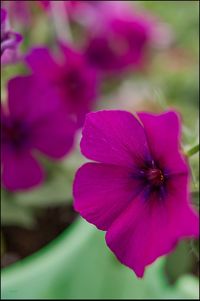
[155, 176]
[74, 83]
[15, 134]
[100, 53]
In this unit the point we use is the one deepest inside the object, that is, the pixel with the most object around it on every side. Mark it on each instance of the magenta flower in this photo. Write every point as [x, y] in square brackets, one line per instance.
[9, 40]
[138, 192]
[32, 122]
[117, 39]
[72, 77]
[45, 4]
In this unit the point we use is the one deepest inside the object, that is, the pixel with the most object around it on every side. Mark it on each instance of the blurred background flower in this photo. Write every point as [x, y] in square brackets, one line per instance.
[117, 39]
[32, 121]
[70, 75]
[9, 40]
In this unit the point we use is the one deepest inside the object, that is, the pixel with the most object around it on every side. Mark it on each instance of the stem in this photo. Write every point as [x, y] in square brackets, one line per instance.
[193, 150]
[61, 21]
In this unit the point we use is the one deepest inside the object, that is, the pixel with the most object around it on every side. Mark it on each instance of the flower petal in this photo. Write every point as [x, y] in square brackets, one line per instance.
[149, 229]
[42, 62]
[114, 137]
[102, 191]
[54, 135]
[20, 171]
[163, 135]
[27, 99]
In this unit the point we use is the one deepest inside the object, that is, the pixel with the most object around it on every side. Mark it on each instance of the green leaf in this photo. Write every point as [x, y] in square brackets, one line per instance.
[193, 150]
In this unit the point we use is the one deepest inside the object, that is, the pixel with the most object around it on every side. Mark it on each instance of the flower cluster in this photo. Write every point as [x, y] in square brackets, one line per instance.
[71, 74]
[115, 38]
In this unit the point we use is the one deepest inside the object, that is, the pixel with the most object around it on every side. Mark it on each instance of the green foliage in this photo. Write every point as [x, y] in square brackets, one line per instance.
[182, 16]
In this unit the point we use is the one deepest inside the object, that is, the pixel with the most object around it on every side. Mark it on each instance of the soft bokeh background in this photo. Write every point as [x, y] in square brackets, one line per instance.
[170, 80]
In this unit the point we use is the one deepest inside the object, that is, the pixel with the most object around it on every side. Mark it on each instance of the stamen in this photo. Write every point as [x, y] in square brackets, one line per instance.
[155, 176]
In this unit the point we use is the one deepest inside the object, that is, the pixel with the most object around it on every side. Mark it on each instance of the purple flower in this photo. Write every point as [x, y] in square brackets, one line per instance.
[117, 39]
[32, 122]
[138, 192]
[74, 80]
[9, 40]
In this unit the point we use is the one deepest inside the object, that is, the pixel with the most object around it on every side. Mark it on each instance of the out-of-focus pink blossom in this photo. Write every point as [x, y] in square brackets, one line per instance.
[70, 75]
[32, 122]
[9, 40]
[118, 38]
